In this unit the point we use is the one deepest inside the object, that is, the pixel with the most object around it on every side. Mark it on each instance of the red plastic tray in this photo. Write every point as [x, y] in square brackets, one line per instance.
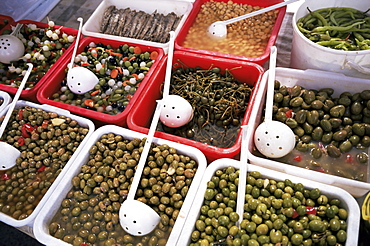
[53, 85]
[4, 25]
[140, 117]
[30, 95]
[196, 9]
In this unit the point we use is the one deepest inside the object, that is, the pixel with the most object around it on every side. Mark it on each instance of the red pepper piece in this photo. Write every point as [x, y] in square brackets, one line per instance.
[349, 158]
[310, 210]
[289, 113]
[45, 124]
[5, 176]
[26, 129]
[41, 169]
[20, 114]
[295, 214]
[20, 141]
[297, 158]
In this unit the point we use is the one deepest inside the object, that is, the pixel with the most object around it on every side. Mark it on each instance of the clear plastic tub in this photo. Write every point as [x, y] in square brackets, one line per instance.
[42, 221]
[28, 222]
[350, 63]
[310, 79]
[180, 8]
[348, 202]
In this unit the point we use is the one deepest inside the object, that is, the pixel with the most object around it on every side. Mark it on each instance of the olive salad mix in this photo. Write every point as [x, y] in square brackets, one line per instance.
[46, 141]
[120, 71]
[43, 47]
[89, 214]
[333, 133]
[275, 213]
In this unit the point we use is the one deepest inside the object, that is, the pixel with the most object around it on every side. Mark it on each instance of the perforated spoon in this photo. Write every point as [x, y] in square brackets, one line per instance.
[176, 111]
[9, 153]
[137, 218]
[80, 79]
[11, 47]
[273, 138]
[218, 29]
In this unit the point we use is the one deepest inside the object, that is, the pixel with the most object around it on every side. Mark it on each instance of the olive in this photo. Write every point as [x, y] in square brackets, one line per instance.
[333, 151]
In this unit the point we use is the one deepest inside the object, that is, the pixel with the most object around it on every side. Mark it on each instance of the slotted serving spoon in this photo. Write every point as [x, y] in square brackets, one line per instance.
[176, 110]
[9, 153]
[273, 138]
[218, 29]
[11, 47]
[137, 218]
[80, 79]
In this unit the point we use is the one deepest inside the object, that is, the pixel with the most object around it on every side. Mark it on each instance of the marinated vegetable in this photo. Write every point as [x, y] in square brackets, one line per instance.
[340, 28]
[89, 214]
[219, 102]
[244, 38]
[46, 141]
[275, 213]
[138, 24]
[120, 71]
[332, 132]
[43, 47]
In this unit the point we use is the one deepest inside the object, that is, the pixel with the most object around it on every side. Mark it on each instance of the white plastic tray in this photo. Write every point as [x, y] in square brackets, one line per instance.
[348, 202]
[42, 221]
[7, 100]
[92, 26]
[83, 122]
[310, 79]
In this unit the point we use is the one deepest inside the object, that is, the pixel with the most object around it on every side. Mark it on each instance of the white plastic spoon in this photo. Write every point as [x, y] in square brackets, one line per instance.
[11, 47]
[218, 29]
[80, 79]
[9, 153]
[242, 175]
[273, 138]
[137, 218]
[176, 111]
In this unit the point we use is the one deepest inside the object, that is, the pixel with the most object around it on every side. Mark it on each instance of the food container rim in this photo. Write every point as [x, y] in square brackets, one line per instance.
[349, 201]
[40, 226]
[83, 122]
[307, 78]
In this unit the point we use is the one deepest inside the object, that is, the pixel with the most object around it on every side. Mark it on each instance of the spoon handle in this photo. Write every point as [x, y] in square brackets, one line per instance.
[144, 153]
[258, 12]
[153, 125]
[270, 84]
[77, 42]
[242, 175]
[15, 99]
[166, 87]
